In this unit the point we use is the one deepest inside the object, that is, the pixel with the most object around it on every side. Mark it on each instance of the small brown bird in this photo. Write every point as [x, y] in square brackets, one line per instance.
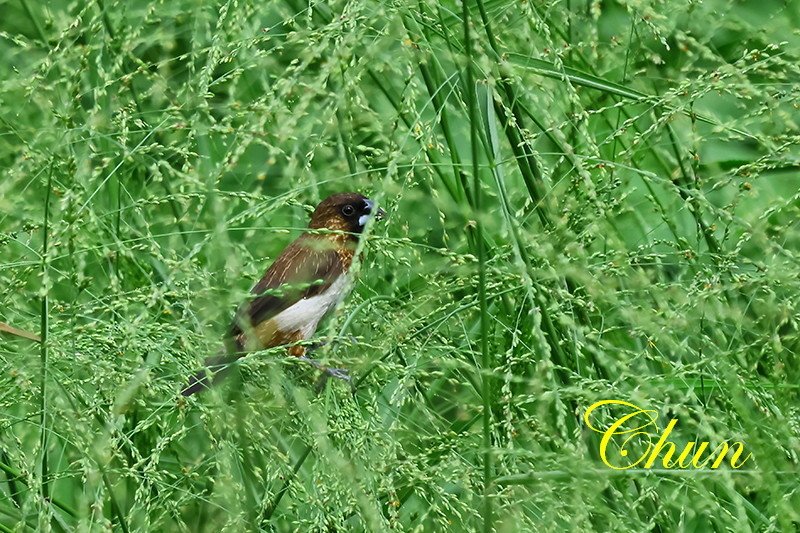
[307, 280]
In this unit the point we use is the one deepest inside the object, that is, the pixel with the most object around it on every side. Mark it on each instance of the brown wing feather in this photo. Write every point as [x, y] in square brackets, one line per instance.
[306, 267]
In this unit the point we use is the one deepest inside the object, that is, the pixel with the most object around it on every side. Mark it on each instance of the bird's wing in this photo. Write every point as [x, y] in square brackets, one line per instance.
[306, 267]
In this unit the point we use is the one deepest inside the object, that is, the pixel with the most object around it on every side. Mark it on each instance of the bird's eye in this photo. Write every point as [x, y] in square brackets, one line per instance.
[348, 210]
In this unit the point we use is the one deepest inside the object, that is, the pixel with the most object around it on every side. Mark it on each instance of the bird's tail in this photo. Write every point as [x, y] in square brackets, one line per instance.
[215, 369]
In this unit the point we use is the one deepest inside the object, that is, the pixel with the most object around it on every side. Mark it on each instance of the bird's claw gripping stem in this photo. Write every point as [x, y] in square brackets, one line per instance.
[338, 373]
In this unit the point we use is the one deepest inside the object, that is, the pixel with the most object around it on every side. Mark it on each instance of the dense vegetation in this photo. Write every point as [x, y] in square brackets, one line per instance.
[586, 200]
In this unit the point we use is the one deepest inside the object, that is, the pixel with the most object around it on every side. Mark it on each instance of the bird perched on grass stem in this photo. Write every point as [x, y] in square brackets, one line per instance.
[307, 280]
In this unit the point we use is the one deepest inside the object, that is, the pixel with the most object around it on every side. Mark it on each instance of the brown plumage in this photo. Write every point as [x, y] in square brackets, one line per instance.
[306, 281]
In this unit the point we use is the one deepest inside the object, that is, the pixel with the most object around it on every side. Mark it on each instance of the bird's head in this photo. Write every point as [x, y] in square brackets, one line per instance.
[347, 211]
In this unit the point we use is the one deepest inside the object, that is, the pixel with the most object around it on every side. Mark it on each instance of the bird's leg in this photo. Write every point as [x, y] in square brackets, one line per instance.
[338, 373]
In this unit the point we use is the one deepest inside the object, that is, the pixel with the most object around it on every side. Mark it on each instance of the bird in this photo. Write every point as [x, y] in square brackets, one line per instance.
[303, 285]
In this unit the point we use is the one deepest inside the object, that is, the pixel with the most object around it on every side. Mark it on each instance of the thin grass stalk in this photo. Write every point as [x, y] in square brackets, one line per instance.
[35, 21]
[683, 184]
[531, 173]
[43, 346]
[433, 81]
[139, 109]
[619, 110]
[17, 475]
[323, 12]
[486, 359]
[116, 508]
[344, 139]
[451, 188]
[273, 505]
[13, 490]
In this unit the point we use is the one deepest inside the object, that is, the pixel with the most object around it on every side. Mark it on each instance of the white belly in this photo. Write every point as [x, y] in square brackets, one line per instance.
[305, 315]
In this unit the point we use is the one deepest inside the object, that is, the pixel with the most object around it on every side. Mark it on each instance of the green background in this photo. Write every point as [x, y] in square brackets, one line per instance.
[586, 201]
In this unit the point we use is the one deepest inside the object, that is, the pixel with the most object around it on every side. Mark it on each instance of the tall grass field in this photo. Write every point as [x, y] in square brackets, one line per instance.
[586, 201]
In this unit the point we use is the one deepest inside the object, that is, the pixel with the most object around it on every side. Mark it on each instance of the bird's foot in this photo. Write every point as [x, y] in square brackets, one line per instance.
[338, 373]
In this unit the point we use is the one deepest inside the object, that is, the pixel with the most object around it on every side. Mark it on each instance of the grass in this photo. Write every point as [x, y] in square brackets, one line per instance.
[585, 201]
